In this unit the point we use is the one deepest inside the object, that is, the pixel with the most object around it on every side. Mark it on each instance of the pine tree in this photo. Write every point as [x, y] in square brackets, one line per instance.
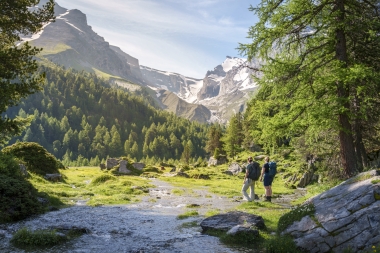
[17, 65]
[311, 68]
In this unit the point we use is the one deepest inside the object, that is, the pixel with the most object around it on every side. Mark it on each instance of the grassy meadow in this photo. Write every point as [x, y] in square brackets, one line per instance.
[92, 185]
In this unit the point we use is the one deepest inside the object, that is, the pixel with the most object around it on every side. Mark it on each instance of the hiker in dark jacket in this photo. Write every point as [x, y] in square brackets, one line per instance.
[268, 179]
[248, 183]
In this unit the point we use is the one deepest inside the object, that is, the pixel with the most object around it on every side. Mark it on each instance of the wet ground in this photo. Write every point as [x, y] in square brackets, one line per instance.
[148, 226]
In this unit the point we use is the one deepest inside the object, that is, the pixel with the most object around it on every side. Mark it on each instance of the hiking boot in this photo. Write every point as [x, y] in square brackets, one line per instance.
[267, 199]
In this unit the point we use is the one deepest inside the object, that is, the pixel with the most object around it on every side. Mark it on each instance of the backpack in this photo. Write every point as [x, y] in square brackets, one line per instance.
[272, 169]
[254, 171]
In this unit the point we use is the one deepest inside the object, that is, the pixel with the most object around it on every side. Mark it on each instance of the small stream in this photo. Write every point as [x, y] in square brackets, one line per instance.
[148, 226]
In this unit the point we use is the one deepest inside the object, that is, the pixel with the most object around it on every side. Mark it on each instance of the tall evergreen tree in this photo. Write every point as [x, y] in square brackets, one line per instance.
[17, 66]
[309, 71]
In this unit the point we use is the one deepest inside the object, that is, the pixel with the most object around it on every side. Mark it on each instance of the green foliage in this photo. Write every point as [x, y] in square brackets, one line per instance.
[314, 85]
[152, 169]
[102, 179]
[214, 139]
[8, 166]
[77, 118]
[187, 214]
[281, 244]
[37, 238]
[17, 198]
[17, 66]
[295, 215]
[234, 136]
[35, 157]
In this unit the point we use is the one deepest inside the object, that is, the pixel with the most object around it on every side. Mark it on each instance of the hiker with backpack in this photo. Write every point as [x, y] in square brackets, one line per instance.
[252, 174]
[267, 175]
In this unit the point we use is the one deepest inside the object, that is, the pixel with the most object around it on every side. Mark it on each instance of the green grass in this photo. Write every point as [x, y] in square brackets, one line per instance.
[222, 184]
[38, 238]
[187, 215]
[91, 184]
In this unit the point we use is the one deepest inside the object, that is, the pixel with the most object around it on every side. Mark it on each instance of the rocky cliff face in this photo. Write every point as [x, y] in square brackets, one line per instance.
[71, 42]
[224, 90]
[184, 87]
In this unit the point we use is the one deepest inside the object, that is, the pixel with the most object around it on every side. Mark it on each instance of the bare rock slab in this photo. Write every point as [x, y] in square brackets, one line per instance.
[227, 221]
[346, 217]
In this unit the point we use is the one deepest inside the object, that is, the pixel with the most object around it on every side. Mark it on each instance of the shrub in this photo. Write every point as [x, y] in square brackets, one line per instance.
[281, 244]
[17, 198]
[102, 179]
[152, 169]
[26, 237]
[36, 158]
[8, 166]
[295, 215]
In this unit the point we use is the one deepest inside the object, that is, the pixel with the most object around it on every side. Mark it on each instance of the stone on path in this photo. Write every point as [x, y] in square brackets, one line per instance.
[227, 221]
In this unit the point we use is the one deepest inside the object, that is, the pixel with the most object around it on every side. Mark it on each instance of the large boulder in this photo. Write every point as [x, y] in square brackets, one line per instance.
[346, 217]
[213, 161]
[123, 167]
[138, 166]
[235, 168]
[111, 162]
[307, 178]
[227, 221]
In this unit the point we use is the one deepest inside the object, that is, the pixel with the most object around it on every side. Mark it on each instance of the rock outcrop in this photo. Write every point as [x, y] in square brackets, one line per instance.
[233, 222]
[213, 161]
[346, 217]
[23, 170]
[138, 166]
[234, 168]
[53, 177]
[123, 167]
[111, 162]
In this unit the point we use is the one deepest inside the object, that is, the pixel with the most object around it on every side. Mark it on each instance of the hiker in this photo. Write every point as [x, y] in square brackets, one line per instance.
[252, 174]
[268, 179]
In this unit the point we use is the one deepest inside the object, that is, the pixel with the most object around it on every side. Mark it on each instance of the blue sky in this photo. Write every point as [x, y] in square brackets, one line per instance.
[184, 36]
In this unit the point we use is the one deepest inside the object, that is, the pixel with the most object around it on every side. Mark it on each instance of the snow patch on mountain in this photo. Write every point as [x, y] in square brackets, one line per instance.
[230, 63]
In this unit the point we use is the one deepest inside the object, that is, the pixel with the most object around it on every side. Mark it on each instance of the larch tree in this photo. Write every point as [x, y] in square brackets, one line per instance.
[310, 73]
[17, 66]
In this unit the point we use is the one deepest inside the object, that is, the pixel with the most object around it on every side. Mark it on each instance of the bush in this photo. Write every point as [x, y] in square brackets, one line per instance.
[8, 166]
[35, 157]
[25, 237]
[17, 198]
[152, 169]
[281, 244]
[102, 179]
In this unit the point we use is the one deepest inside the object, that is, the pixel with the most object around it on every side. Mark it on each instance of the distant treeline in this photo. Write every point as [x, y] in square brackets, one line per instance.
[80, 117]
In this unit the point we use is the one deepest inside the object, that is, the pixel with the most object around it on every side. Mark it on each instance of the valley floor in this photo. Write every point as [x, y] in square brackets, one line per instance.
[151, 225]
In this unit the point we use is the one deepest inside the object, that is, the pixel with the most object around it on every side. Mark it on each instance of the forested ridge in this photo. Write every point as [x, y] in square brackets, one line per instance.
[79, 116]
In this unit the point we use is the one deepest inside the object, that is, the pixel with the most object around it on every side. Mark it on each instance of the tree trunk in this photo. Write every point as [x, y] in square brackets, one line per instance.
[361, 152]
[347, 150]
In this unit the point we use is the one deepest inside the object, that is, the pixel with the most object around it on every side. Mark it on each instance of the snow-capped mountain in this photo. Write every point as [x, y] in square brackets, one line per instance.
[224, 90]
[71, 42]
